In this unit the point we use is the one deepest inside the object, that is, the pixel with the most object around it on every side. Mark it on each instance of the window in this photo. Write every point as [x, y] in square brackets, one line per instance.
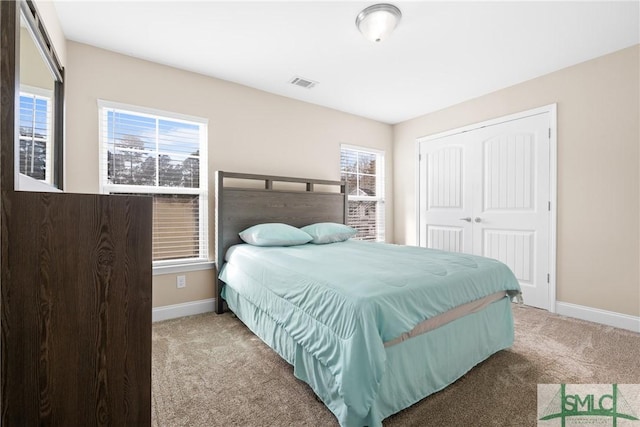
[363, 170]
[36, 149]
[161, 154]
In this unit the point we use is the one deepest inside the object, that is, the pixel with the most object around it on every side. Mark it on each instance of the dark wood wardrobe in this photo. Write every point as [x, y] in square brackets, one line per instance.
[75, 295]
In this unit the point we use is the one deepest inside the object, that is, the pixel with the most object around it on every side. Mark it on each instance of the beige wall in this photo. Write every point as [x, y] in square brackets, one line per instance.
[249, 131]
[598, 263]
[33, 70]
[199, 286]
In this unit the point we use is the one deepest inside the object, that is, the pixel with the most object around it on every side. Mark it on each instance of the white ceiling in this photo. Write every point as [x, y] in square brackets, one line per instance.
[442, 53]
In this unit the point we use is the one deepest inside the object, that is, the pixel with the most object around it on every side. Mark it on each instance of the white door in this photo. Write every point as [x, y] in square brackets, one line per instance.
[503, 211]
[448, 205]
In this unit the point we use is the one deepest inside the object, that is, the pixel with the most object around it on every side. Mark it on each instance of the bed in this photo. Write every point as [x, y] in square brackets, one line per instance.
[359, 321]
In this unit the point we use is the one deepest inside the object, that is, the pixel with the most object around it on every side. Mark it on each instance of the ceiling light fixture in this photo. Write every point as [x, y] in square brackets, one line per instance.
[378, 21]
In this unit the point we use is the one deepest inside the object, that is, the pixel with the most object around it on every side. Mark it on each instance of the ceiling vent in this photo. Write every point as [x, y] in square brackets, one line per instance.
[305, 83]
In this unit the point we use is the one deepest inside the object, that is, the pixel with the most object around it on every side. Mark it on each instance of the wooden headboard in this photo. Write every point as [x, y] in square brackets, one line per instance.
[244, 200]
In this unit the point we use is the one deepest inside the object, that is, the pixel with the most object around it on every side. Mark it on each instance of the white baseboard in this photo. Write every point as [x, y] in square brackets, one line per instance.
[185, 309]
[609, 318]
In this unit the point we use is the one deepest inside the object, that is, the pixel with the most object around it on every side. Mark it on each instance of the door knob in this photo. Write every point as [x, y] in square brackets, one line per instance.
[478, 219]
[468, 219]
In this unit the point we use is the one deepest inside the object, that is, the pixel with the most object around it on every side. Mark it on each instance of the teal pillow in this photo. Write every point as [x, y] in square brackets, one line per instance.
[329, 232]
[274, 234]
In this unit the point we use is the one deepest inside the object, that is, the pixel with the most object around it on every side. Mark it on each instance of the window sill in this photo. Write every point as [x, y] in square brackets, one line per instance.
[26, 183]
[183, 267]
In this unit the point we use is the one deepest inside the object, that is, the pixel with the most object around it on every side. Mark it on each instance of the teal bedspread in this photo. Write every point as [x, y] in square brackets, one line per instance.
[342, 301]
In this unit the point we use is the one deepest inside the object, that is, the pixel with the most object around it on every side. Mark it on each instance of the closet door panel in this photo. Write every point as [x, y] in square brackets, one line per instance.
[445, 200]
[512, 210]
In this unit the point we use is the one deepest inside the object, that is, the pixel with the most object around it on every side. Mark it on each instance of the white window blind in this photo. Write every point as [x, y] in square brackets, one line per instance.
[363, 170]
[163, 155]
[36, 149]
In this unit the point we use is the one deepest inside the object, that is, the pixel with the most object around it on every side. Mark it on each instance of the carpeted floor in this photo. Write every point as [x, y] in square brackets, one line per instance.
[210, 370]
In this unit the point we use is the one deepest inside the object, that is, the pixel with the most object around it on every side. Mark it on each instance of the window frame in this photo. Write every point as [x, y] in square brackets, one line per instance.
[47, 95]
[163, 266]
[379, 198]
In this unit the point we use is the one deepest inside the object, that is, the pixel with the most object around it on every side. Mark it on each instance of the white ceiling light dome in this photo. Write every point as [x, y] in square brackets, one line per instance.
[378, 21]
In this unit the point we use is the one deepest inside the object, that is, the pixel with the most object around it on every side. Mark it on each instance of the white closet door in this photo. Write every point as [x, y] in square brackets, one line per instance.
[511, 212]
[447, 208]
[504, 191]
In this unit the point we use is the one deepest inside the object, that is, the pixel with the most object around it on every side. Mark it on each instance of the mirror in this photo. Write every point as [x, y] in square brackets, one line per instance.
[39, 145]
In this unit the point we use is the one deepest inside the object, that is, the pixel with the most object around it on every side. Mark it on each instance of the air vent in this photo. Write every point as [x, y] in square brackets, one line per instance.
[305, 83]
